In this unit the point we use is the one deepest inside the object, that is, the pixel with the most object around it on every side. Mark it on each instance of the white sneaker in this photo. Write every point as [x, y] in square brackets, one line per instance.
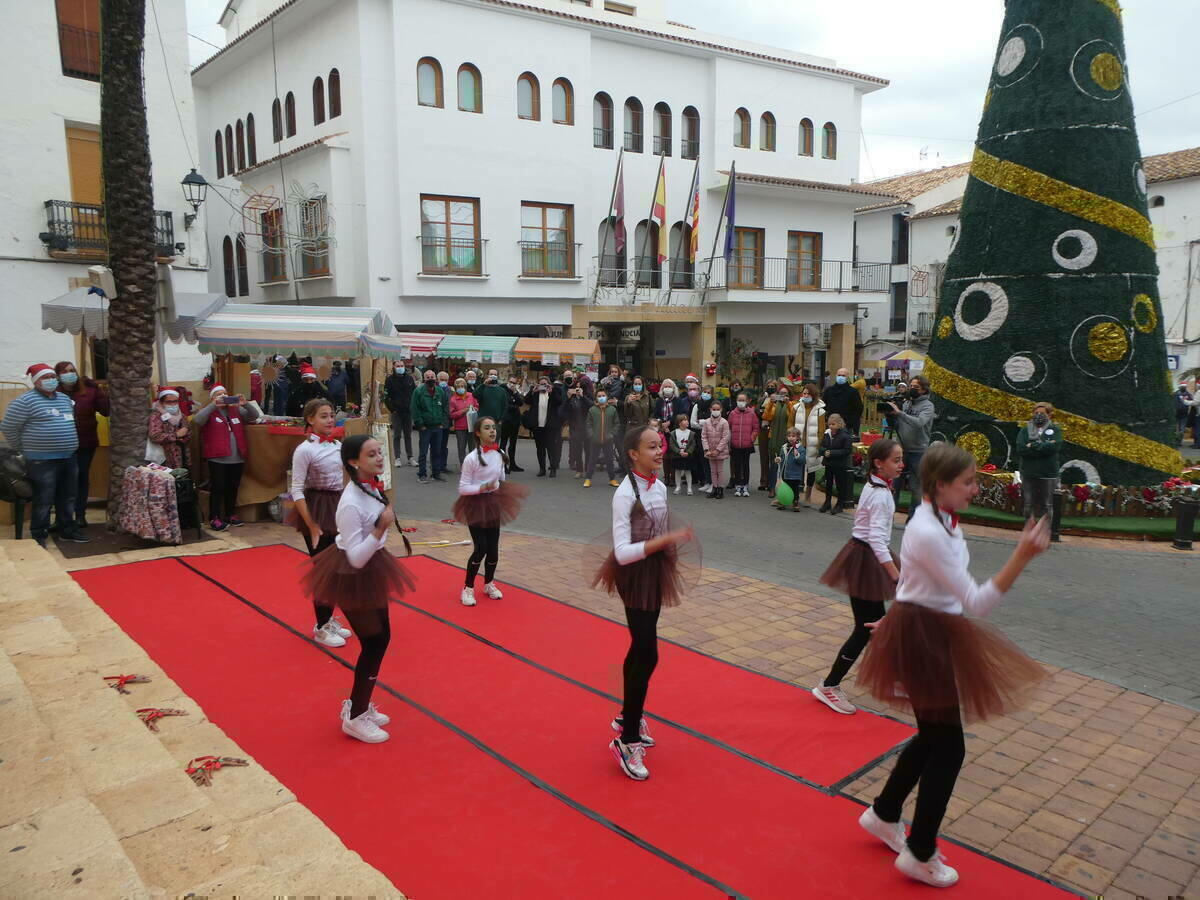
[372, 713]
[413, 463]
[342, 630]
[399, 463]
[834, 698]
[363, 727]
[631, 758]
[327, 635]
[708, 488]
[935, 872]
[891, 833]
[618, 725]
[492, 591]
[468, 596]
[678, 488]
[689, 492]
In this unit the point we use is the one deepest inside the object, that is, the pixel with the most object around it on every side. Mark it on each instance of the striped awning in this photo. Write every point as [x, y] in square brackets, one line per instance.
[77, 312]
[566, 348]
[458, 346]
[261, 328]
[421, 343]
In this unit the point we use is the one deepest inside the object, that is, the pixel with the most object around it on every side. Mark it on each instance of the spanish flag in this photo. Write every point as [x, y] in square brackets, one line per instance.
[658, 214]
[694, 216]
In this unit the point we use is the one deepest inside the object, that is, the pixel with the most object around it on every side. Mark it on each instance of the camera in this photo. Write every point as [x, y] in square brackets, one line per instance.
[884, 408]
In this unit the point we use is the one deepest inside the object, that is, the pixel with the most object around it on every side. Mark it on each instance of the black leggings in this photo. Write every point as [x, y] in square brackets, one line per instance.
[324, 613]
[932, 758]
[640, 662]
[739, 465]
[487, 551]
[373, 630]
[842, 478]
[864, 611]
[223, 482]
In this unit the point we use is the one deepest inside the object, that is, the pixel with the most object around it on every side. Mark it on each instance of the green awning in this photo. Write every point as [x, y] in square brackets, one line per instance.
[459, 346]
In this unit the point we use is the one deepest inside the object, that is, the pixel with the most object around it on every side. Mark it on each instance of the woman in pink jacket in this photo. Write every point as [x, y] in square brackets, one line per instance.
[715, 435]
[743, 429]
[462, 402]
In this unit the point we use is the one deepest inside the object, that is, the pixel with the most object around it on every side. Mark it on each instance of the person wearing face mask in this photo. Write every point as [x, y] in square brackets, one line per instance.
[41, 425]
[666, 407]
[337, 385]
[169, 429]
[543, 418]
[764, 454]
[743, 429]
[777, 419]
[697, 411]
[575, 411]
[431, 419]
[1038, 444]
[397, 397]
[224, 443]
[637, 404]
[492, 397]
[914, 427]
[444, 447]
[841, 398]
[464, 409]
[715, 438]
[90, 400]
[511, 429]
[602, 437]
[810, 420]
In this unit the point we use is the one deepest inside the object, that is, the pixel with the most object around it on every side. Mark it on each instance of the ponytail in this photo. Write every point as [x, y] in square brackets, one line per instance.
[351, 450]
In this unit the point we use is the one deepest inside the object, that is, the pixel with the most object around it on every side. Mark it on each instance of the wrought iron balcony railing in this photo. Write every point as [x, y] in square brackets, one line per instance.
[662, 145]
[79, 228]
[79, 49]
[549, 259]
[923, 327]
[633, 142]
[796, 274]
[452, 256]
[689, 149]
[602, 137]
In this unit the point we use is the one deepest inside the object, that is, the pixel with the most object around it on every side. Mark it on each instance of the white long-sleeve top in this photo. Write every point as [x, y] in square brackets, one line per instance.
[654, 501]
[317, 466]
[475, 474]
[873, 518]
[357, 513]
[933, 568]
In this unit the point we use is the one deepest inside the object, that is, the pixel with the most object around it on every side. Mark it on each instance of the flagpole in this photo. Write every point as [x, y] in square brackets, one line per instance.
[717, 233]
[646, 235]
[604, 243]
[686, 214]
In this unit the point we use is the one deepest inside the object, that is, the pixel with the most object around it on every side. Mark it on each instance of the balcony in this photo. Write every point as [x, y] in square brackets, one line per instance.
[689, 149]
[549, 259]
[789, 274]
[80, 52]
[662, 145]
[602, 138]
[453, 256]
[77, 229]
[633, 142]
[923, 326]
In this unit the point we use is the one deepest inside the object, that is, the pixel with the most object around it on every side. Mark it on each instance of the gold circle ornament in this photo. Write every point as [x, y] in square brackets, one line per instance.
[1108, 342]
[945, 326]
[977, 445]
[1144, 316]
[1106, 71]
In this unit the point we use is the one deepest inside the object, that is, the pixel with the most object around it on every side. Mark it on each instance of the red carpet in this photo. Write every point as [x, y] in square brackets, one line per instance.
[437, 800]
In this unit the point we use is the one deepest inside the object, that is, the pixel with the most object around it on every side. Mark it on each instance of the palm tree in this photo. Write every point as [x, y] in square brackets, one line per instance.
[129, 214]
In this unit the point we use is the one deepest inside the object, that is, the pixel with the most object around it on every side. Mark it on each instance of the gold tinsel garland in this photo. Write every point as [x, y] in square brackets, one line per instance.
[1144, 316]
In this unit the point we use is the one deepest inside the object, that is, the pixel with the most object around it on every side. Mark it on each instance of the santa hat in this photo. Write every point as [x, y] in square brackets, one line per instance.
[168, 392]
[306, 371]
[690, 377]
[37, 370]
[215, 388]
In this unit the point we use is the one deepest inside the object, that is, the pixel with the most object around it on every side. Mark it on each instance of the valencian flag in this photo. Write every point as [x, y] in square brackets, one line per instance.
[658, 212]
[619, 208]
[727, 215]
[694, 216]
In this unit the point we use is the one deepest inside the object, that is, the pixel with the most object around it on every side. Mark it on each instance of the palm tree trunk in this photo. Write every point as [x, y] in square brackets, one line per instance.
[129, 215]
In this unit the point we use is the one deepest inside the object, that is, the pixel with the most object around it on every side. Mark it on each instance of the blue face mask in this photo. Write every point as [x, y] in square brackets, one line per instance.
[49, 385]
[69, 377]
[706, 396]
[841, 379]
[461, 390]
[638, 388]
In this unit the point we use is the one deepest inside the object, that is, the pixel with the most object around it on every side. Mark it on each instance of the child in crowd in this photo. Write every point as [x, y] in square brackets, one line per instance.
[791, 461]
[602, 427]
[835, 453]
[683, 453]
[743, 429]
[714, 433]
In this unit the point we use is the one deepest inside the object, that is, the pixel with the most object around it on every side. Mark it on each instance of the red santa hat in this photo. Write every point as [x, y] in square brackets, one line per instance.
[37, 370]
[690, 376]
[307, 371]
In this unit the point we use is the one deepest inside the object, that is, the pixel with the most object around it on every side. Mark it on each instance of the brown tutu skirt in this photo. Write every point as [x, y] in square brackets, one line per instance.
[857, 572]
[650, 583]
[491, 510]
[322, 506]
[937, 663]
[330, 578]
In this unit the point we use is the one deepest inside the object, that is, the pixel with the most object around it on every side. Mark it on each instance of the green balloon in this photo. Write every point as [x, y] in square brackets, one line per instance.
[783, 493]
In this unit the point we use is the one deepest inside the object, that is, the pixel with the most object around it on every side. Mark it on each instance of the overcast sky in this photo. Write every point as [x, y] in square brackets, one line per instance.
[937, 54]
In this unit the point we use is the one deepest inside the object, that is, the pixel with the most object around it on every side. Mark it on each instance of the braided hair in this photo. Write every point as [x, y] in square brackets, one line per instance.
[479, 444]
[352, 449]
[633, 438]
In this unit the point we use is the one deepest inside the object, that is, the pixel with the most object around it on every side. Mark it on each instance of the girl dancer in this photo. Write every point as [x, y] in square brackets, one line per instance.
[485, 502]
[927, 656]
[865, 568]
[360, 575]
[643, 570]
[316, 489]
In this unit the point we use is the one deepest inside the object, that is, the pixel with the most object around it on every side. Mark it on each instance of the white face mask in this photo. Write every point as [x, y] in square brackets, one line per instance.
[172, 410]
[741, 404]
[667, 392]
[716, 414]
[399, 370]
[601, 399]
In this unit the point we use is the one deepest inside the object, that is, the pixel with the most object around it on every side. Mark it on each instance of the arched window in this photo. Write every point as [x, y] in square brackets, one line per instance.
[613, 264]
[318, 100]
[829, 141]
[563, 102]
[470, 89]
[219, 145]
[289, 114]
[276, 121]
[529, 97]
[602, 121]
[806, 137]
[741, 128]
[690, 146]
[429, 82]
[645, 244]
[335, 93]
[662, 129]
[229, 160]
[633, 125]
[766, 132]
[241, 145]
[251, 143]
[227, 259]
[243, 270]
[1157, 200]
[681, 265]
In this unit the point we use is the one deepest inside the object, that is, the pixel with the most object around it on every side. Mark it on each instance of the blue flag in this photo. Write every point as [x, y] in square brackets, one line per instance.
[729, 219]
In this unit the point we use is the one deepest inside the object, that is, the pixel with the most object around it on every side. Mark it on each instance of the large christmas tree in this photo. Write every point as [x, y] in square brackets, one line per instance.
[1051, 288]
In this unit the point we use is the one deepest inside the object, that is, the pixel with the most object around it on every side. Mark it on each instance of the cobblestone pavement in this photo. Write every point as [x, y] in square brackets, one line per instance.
[1092, 785]
[1123, 611]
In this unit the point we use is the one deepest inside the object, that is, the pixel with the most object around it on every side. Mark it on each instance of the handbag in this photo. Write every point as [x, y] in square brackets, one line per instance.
[155, 453]
[472, 416]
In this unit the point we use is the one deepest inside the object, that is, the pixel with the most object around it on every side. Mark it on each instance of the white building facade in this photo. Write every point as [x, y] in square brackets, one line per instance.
[452, 162]
[50, 183]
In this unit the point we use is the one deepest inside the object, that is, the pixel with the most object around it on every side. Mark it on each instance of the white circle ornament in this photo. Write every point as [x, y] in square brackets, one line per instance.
[1090, 472]
[1087, 252]
[989, 324]
[1139, 178]
[1011, 55]
[1019, 369]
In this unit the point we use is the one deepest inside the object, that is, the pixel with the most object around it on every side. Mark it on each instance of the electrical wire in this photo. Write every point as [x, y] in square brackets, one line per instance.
[167, 71]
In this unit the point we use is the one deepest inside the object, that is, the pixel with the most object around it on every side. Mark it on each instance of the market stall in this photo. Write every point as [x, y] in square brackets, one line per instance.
[551, 353]
[477, 348]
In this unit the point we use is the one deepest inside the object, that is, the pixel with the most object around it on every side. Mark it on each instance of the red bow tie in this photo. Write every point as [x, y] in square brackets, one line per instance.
[325, 438]
[881, 482]
[487, 447]
[649, 480]
[953, 516]
[373, 483]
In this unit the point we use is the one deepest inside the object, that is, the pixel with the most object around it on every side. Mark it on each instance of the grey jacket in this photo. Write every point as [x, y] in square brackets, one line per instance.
[914, 423]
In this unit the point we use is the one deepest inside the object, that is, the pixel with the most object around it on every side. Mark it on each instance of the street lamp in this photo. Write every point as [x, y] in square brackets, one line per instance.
[195, 189]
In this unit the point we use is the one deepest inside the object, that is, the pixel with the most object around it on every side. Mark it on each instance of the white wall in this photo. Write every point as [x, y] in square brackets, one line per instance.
[673, 341]
[1176, 226]
[775, 340]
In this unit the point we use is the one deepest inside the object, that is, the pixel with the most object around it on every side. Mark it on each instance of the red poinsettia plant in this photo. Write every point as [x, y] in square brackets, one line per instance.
[1081, 492]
